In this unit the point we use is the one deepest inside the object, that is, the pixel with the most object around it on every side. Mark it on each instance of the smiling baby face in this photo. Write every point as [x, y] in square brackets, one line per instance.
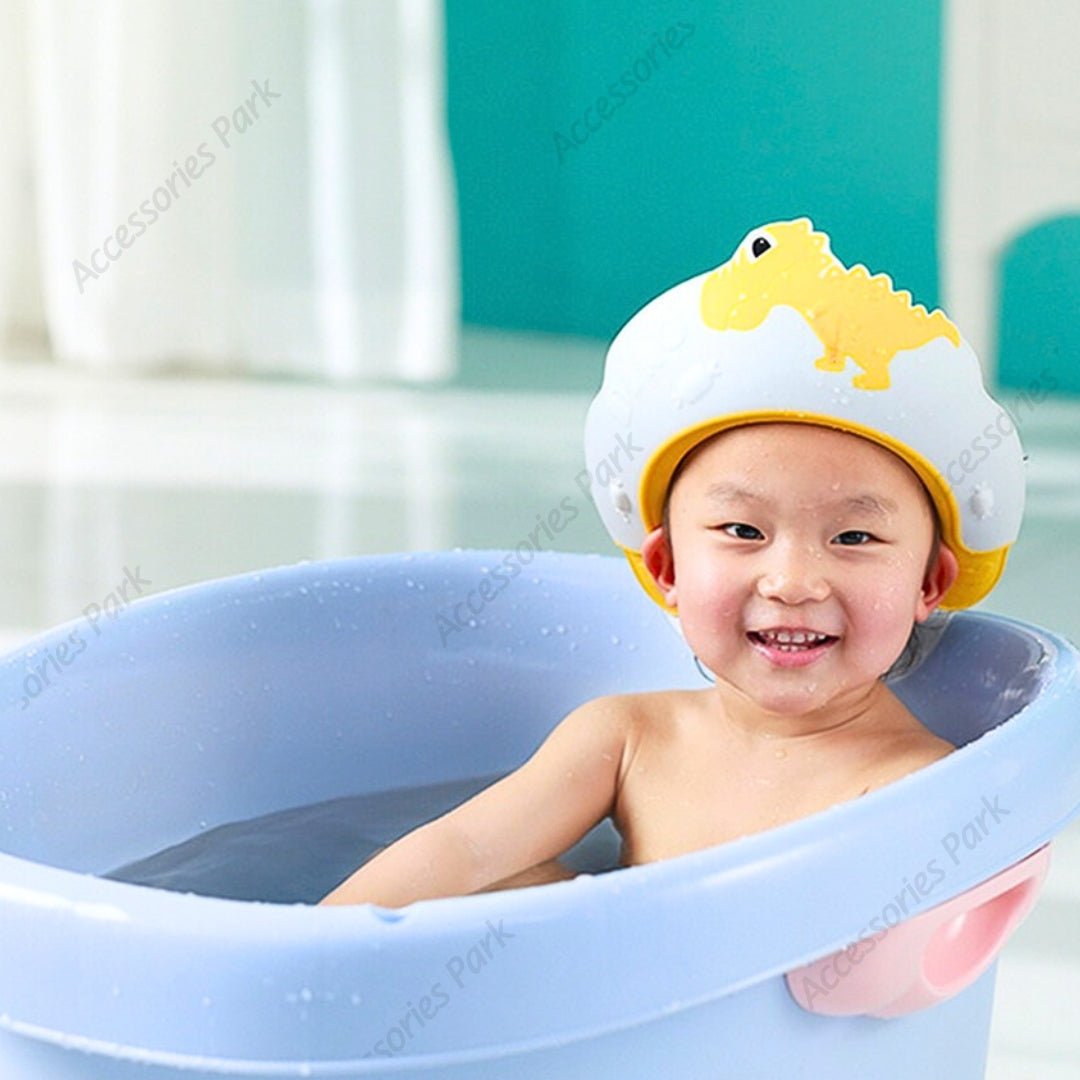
[798, 558]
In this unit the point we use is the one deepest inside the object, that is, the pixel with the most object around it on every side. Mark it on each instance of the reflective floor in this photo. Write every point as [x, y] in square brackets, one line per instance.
[177, 480]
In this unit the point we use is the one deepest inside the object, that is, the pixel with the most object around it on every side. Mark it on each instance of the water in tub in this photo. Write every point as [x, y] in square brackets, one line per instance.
[299, 854]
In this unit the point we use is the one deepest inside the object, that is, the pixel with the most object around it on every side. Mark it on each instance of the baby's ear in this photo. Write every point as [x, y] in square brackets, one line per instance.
[937, 583]
[660, 562]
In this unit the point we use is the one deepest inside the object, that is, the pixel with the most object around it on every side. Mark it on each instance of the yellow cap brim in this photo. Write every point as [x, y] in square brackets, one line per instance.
[979, 570]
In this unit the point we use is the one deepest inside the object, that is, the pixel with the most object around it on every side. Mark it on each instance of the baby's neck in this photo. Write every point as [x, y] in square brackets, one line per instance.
[841, 719]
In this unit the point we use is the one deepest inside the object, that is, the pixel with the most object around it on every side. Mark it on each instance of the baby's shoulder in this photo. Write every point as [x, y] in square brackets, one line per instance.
[655, 716]
[924, 748]
[907, 751]
[645, 705]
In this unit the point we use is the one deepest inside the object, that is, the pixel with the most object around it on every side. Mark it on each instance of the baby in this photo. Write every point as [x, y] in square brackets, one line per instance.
[797, 534]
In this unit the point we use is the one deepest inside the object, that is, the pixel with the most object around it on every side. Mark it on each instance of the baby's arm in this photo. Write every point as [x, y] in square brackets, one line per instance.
[534, 814]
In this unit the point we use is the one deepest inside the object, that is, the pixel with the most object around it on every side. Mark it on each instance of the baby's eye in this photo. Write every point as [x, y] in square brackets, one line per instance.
[861, 537]
[741, 525]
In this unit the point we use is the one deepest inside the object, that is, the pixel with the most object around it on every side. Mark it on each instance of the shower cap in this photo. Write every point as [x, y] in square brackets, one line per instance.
[783, 331]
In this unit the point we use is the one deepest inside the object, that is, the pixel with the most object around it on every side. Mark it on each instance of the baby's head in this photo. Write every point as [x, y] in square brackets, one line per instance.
[798, 528]
[871, 465]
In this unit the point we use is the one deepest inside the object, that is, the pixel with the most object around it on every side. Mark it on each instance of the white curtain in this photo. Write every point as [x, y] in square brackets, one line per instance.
[248, 186]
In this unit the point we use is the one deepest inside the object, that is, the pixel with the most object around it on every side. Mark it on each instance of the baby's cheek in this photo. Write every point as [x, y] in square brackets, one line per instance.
[711, 588]
[887, 616]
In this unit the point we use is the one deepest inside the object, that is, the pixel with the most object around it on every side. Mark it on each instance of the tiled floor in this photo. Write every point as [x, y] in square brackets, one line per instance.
[193, 479]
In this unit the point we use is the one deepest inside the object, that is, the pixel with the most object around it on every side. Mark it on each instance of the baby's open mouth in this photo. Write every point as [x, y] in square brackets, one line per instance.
[791, 640]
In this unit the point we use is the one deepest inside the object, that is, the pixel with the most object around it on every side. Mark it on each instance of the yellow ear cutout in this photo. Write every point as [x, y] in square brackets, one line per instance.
[646, 580]
[979, 573]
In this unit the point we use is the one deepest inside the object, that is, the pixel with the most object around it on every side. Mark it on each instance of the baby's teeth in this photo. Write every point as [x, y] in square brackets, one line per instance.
[787, 637]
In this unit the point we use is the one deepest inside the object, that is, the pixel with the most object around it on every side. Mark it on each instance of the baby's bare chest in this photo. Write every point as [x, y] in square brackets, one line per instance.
[684, 790]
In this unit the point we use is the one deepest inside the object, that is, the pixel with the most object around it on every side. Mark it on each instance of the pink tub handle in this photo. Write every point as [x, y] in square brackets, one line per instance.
[929, 957]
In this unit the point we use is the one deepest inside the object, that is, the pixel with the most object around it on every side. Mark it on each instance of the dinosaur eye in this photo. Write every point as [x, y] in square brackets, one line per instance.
[759, 246]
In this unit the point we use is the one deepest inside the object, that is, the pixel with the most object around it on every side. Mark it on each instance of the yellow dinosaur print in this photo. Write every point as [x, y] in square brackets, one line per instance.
[854, 315]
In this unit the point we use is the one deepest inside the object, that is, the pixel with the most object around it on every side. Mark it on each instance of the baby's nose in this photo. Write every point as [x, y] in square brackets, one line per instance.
[793, 574]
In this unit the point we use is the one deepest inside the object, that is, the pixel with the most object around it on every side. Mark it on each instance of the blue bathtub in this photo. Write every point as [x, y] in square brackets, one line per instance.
[240, 697]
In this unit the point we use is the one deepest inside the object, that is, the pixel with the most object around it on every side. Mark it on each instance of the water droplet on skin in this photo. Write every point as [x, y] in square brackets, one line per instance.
[779, 754]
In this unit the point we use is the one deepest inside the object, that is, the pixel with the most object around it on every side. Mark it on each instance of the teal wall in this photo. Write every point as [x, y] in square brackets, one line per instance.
[1039, 339]
[744, 113]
